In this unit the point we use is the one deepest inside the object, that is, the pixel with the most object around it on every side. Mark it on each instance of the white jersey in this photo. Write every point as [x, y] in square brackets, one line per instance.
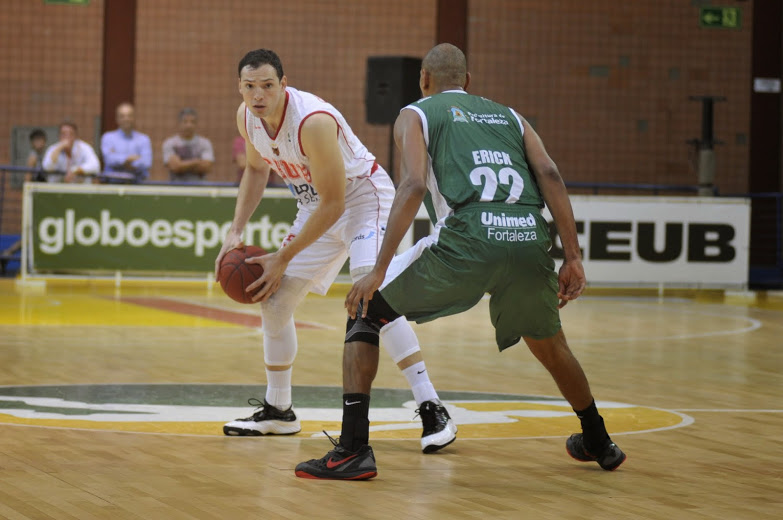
[283, 151]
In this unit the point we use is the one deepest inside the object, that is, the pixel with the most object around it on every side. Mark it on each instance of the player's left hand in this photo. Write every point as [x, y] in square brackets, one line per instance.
[571, 281]
[362, 292]
[274, 268]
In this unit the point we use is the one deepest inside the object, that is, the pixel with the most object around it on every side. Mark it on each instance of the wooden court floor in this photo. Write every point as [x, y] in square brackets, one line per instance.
[112, 402]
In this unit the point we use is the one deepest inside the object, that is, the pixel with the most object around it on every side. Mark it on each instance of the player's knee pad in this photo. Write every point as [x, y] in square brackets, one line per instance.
[279, 308]
[277, 321]
[367, 329]
[280, 349]
[399, 339]
[361, 329]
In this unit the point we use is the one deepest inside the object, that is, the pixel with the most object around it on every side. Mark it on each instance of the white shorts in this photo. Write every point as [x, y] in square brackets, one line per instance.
[357, 235]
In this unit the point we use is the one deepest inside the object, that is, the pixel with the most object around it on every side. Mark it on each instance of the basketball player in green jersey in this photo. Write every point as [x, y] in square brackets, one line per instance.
[489, 176]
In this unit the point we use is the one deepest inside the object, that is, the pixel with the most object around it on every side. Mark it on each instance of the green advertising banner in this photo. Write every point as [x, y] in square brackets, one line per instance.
[143, 230]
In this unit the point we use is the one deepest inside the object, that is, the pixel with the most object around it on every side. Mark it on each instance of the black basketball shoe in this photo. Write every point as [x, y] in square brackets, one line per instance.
[438, 429]
[266, 420]
[340, 464]
[609, 457]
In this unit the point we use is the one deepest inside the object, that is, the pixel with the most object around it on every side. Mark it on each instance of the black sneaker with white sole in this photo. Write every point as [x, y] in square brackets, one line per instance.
[609, 456]
[267, 420]
[438, 430]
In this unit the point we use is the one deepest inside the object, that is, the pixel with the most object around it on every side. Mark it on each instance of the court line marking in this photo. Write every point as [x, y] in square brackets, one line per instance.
[754, 325]
[728, 410]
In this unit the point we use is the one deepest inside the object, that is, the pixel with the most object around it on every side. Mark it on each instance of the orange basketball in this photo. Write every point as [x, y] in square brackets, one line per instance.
[235, 275]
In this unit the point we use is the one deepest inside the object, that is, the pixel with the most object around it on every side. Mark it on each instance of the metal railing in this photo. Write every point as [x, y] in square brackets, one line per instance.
[654, 189]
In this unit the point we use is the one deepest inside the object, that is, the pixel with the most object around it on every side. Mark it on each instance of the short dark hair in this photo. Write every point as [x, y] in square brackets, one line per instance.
[37, 133]
[187, 111]
[447, 64]
[70, 123]
[259, 58]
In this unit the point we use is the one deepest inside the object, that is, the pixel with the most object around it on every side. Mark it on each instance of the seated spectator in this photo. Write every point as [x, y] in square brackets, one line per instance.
[36, 155]
[34, 160]
[37, 148]
[126, 151]
[238, 157]
[70, 159]
[188, 156]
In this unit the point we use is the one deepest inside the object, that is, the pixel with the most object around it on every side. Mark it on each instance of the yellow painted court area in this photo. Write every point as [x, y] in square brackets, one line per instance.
[84, 304]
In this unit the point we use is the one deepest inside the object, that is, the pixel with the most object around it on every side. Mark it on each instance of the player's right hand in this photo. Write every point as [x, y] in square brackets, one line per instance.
[362, 291]
[232, 241]
[571, 281]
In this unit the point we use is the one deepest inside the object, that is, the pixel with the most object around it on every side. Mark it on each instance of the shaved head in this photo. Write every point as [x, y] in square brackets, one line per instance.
[446, 63]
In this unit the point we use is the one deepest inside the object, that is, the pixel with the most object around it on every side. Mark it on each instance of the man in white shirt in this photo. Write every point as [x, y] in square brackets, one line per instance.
[71, 159]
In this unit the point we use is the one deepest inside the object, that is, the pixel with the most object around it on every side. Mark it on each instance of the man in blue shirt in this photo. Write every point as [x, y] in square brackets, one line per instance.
[127, 154]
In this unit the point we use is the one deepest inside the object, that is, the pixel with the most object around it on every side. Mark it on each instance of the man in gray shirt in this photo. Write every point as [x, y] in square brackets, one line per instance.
[188, 156]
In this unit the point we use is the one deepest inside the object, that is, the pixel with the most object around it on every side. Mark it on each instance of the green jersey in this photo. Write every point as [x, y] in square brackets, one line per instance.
[490, 236]
[476, 151]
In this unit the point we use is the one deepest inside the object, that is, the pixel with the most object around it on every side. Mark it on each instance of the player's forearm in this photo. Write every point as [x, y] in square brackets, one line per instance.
[407, 202]
[251, 190]
[556, 197]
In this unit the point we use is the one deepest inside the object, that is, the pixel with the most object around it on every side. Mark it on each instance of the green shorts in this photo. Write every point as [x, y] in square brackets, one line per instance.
[483, 248]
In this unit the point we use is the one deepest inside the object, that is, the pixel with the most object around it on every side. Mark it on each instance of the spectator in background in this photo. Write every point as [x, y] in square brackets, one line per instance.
[71, 159]
[188, 156]
[37, 148]
[36, 155]
[239, 158]
[34, 160]
[126, 151]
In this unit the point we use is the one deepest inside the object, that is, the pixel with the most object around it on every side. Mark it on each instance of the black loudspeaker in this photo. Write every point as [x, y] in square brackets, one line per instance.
[392, 83]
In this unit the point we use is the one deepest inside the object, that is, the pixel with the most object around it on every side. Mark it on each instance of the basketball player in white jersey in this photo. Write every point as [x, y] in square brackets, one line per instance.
[343, 198]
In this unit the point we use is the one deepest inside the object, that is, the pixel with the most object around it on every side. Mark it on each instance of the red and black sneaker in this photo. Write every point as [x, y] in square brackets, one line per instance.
[340, 464]
[609, 456]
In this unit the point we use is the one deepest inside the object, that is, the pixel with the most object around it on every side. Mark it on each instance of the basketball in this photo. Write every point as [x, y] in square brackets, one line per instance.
[235, 275]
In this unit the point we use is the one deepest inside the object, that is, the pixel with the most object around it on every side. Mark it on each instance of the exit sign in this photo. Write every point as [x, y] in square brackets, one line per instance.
[722, 17]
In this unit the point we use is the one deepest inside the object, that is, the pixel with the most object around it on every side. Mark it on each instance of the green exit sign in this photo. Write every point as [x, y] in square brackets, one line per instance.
[723, 17]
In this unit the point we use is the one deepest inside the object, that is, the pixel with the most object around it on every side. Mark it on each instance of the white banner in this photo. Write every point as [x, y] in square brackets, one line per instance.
[687, 241]
[649, 241]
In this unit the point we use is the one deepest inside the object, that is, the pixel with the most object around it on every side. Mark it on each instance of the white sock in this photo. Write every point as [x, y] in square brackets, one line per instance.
[278, 388]
[420, 383]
